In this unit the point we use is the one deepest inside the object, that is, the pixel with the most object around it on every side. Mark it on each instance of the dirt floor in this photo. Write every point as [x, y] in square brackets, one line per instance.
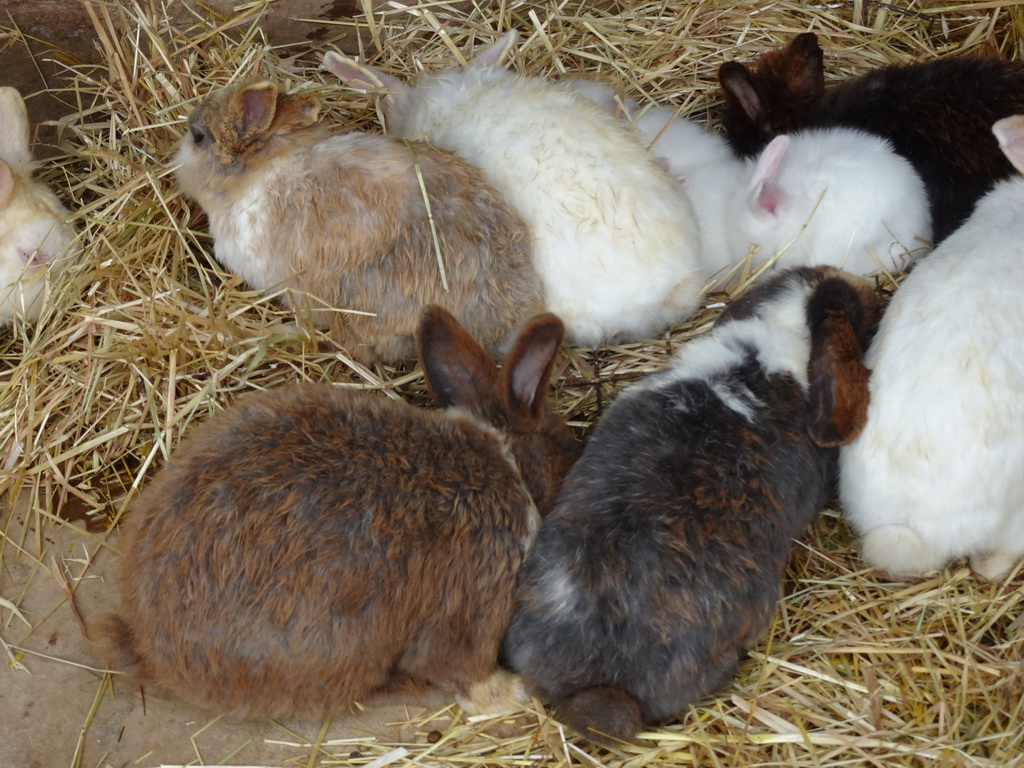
[59, 709]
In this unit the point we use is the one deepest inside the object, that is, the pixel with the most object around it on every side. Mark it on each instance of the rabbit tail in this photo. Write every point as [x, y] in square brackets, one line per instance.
[115, 643]
[605, 715]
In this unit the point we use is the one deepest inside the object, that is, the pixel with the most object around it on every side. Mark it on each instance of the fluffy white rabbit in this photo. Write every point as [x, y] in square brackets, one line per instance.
[616, 243]
[938, 472]
[836, 196]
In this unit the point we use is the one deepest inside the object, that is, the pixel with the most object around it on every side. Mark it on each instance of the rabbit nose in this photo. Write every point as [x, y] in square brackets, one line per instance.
[35, 257]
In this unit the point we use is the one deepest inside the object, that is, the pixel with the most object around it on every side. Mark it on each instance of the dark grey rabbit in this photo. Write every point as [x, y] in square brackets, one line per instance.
[661, 561]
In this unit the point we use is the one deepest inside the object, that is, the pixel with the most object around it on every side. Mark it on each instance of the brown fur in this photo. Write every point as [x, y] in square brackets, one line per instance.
[347, 228]
[838, 379]
[313, 546]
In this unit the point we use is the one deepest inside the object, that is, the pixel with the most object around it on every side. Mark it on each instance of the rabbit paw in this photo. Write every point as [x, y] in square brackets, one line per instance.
[500, 693]
[898, 551]
[994, 566]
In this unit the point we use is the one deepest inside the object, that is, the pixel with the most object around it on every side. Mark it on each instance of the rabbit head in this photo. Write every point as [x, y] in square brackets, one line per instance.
[786, 87]
[33, 228]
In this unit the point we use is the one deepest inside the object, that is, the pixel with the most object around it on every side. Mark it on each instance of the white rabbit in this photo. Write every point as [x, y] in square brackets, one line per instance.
[836, 196]
[938, 472]
[33, 228]
[616, 241]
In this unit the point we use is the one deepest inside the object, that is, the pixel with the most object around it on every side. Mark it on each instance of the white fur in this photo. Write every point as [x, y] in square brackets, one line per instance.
[616, 241]
[864, 206]
[778, 334]
[938, 472]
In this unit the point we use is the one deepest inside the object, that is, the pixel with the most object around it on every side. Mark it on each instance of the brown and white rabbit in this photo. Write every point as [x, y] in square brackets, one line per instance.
[341, 222]
[34, 234]
[313, 546]
[661, 561]
[937, 114]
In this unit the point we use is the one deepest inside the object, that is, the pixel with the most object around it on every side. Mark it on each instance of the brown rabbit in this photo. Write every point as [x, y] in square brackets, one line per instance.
[341, 223]
[313, 546]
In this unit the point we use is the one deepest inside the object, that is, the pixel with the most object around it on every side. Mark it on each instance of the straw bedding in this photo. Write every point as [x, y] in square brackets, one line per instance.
[146, 335]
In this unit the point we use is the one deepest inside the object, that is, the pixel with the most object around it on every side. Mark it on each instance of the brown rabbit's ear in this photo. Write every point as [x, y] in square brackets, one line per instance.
[295, 111]
[737, 86]
[802, 67]
[527, 368]
[841, 318]
[458, 370]
[254, 107]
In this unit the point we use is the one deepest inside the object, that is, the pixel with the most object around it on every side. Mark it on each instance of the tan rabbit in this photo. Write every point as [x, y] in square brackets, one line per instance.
[34, 234]
[313, 546]
[341, 222]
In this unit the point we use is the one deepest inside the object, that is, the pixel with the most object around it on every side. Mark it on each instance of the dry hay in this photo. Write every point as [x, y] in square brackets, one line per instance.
[147, 335]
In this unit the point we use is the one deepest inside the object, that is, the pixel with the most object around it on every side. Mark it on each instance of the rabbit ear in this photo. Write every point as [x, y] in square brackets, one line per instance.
[738, 87]
[254, 108]
[767, 195]
[492, 56]
[841, 318]
[1010, 133]
[362, 77]
[14, 134]
[528, 366]
[295, 111]
[6, 183]
[458, 370]
[802, 67]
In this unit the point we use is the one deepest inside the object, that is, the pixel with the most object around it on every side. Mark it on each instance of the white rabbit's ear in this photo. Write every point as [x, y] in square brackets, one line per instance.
[766, 194]
[362, 77]
[495, 54]
[6, 183]
[13, 128]
[1010, 133]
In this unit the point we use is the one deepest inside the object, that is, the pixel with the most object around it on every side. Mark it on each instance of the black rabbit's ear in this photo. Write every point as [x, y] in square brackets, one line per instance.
[458, 370]
[527, 368]
[738, 87]
[802, 67]
[841, 317]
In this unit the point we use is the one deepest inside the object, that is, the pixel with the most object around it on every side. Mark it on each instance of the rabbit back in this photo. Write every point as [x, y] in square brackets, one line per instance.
[616, 240]
[663, 582]
[298, 554]
[936, 473]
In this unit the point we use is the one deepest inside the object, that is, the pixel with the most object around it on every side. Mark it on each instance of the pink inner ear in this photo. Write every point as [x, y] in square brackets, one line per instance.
[769, 198]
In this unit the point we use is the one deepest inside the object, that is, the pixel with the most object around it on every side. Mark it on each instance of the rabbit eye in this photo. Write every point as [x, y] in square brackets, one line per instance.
[198, 136]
